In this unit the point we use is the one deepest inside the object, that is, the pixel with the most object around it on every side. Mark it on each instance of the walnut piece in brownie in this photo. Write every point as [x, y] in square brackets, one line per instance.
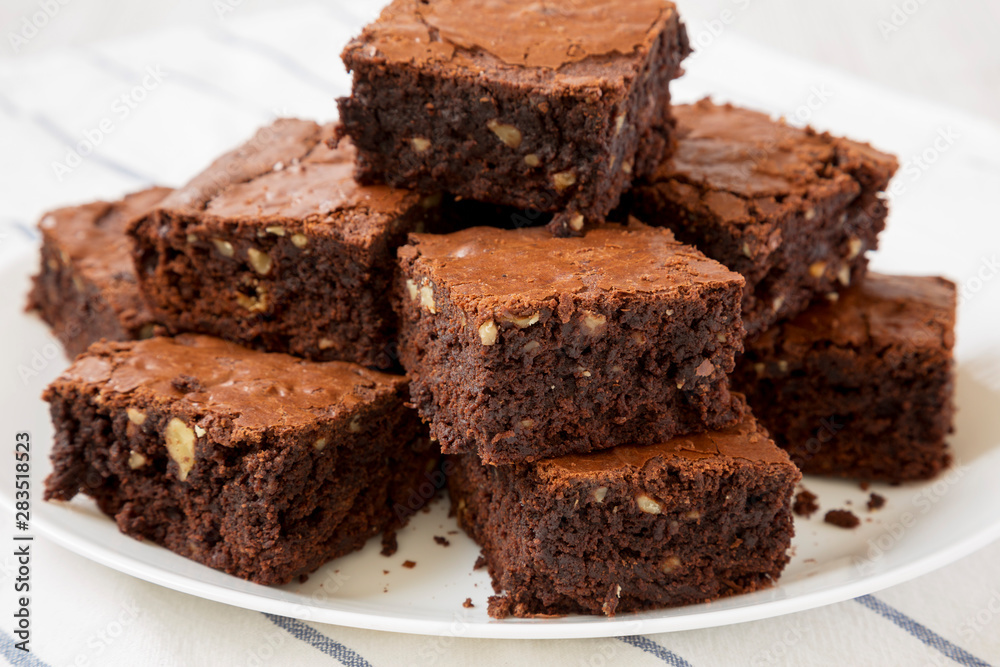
[631, 528]
[86, 289]
[520, 345]
[792, 210]
[541, 106]
[861, 387]
[276, 247]
[270, 468]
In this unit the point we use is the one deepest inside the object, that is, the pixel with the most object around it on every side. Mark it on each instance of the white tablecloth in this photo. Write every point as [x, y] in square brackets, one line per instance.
[97, 123]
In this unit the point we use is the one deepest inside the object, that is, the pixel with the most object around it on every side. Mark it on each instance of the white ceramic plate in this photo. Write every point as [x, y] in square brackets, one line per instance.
[922, 527]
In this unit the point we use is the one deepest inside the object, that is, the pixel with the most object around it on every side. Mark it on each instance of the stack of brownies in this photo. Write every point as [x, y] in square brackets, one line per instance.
[591, 293]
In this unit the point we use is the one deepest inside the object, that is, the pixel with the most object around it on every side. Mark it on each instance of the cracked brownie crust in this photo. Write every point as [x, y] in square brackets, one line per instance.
[861, 387]
[260, 465]
[86, 289]
[520, 345]
[276, 247]
[690, 520]
[792, 210]
[510, 104]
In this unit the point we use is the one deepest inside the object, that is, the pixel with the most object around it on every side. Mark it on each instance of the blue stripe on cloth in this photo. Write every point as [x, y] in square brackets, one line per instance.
[649, 646]
[28, 231]
[318, 640]
[279, 58]
[921, 632]
[63, 137]
[16, 656]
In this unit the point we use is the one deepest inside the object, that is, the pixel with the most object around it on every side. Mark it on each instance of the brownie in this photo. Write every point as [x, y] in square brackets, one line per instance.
[689, 520]
[276, 247]
[258, 464]
[86, 289]
[862, 386]
[540, 106]
[791, 209]
[521, 345]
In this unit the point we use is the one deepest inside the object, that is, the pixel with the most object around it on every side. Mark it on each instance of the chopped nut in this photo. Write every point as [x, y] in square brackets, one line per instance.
[639, 337]
[746, 249]
[647, 504]
[488, 332]
[532, 160]
[420, 144]
[136, 417]
[680, 384]
[319, 444]
[817, 269]
[619, 123]
[759, 368]
[427, 299]
[692, 514]
[180, 445]
[782, 366]
[811, 214]
[531, 346]
[192, 238]
[135, 459]
[593, 321]
[833, 297]
[627, 167]
[324, 343]
[844, 275]
[255, 304]
[721, 337]
[199, 431]
[777, 303]
[260, 261]
[431, 201]
[600, 493]
[670, 564]
[583, 371]
[508, 134]
[563, 179]
[355, 425]
[300, 240]
[276, 230]
[411, 287]
[225, 248]
[527, 423]
[522, 322]
[576, 222]
[78, 283]
[854, 246]
[705, 369]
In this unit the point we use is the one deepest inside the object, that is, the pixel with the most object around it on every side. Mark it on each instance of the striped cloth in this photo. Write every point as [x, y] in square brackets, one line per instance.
[105, 120]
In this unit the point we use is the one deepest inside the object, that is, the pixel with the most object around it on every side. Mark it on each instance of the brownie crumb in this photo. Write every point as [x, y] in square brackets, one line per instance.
[303, 578]
[186, 384]
[409, 564]
[805, 504]
[480, 562]
[385, 571]
[389, 543]
[865, 486]
[875, 502]
[443, 541]
[453, 532]
[468, 603]
[842, 519]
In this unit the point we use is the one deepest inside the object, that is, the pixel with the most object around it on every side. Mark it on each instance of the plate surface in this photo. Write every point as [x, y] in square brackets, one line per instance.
[943, 222]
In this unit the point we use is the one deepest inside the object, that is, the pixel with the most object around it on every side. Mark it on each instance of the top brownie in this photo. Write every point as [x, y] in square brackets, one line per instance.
[520, 345]
[275, 246]
[87, 288]
[538, 106]
[790, 209]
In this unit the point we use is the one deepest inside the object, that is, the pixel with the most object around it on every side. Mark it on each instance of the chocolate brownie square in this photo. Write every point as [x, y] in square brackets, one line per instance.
[521, 345]
[792, 210]
[86, 289]
[276, 247]
[262, 465]
[689, 520]
[861, 386]
[540, 106]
